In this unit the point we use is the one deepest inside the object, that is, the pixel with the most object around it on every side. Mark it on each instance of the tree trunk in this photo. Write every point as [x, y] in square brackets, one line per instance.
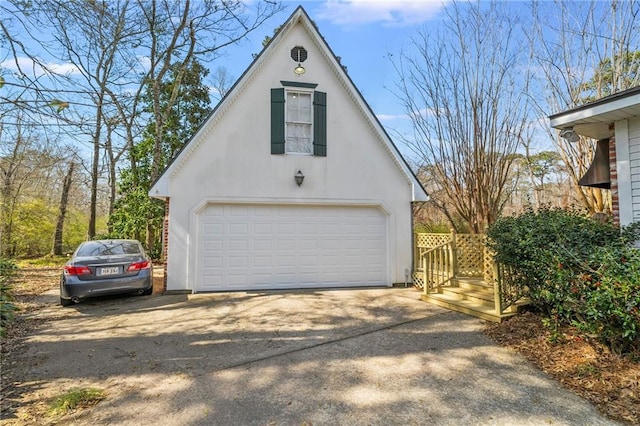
[91, 232]
[66, 186]
[151, 235]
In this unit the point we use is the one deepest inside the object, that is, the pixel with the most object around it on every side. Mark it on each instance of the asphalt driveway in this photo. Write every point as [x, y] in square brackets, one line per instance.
[325, 357]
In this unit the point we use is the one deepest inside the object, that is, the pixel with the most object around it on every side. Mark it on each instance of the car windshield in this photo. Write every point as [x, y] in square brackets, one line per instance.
[106, 248]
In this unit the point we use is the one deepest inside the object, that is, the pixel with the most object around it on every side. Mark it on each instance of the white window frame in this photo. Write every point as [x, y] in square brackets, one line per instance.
[287, 92]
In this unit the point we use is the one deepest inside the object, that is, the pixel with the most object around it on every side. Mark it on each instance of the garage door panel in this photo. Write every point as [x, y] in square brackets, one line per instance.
[238, 245]
[214, 210]
[261, 262]
[263, 228]
[213, 261]
[238, 262]
[212, 245]
[245, 247]
[237, 280]
[259, 245]
[238, 210]
[213, 229]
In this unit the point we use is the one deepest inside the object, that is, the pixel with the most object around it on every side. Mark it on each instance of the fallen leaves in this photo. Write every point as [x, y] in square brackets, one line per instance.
[610, 382]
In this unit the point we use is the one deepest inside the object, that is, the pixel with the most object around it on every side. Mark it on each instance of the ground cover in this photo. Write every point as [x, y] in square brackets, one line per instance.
[610, 382]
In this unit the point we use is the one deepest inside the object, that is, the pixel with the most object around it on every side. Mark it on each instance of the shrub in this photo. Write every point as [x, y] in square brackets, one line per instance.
[577, 270]
[8, 271]
[610, 299]
[547, 247]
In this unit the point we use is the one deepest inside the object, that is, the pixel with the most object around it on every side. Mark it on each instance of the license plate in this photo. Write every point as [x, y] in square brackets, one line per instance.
[111, 270]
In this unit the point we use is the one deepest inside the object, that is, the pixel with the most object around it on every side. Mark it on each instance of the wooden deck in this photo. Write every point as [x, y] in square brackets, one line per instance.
[456, 272]
[471, 296]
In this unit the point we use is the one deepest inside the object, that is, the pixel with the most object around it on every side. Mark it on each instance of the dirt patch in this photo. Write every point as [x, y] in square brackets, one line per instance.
[610, 382]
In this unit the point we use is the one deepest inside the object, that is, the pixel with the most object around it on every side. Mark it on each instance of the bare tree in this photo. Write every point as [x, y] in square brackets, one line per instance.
[120, 48]
[62, 211]
[26, 158]
[222, 82]
[584, 51]
[468, 109]
[179, 31]
[23, 74]
[541, 166]
[96, 38]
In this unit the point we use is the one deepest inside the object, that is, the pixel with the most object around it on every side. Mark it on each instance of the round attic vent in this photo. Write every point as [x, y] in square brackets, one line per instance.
[299, 54]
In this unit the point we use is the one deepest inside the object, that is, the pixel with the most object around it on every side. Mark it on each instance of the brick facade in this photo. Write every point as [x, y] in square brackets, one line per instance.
[165, 243]
[613, 170]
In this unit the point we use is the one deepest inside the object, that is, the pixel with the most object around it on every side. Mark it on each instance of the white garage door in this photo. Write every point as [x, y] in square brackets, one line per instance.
[248, 247]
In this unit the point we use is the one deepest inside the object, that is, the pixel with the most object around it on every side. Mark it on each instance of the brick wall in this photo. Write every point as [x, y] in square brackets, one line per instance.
[615, 201]
[165, 244]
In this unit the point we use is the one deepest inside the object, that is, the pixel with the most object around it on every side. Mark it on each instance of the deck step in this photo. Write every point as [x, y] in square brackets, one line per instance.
[473, 283]
[469, 307]
[483, 297]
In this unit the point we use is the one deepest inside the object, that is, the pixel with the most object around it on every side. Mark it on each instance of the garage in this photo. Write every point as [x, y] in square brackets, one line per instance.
[264, 246]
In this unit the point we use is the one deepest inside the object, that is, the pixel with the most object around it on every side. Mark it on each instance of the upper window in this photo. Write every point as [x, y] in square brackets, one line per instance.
[298, 123]
[298, 120]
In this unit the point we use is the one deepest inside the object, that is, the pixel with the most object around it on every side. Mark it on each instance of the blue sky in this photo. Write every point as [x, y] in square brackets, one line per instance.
[362, 33]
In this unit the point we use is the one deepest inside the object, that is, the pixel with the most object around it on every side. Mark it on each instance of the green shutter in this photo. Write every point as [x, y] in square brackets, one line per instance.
[320, 124]
[277, 121]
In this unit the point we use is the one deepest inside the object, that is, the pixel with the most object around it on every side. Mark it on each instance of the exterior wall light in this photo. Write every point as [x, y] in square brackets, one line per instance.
[299, 70]
[569, 134]
[299, 55]
[299, 177]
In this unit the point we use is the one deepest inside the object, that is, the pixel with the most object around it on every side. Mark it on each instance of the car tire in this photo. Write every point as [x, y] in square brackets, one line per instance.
[66, 302]
[148, 291]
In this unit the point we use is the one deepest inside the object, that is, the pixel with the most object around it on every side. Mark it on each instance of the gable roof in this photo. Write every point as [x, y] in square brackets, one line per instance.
[593, 119]
[159, 187]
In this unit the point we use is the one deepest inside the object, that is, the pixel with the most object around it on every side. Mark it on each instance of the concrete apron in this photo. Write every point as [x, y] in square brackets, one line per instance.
[347, 357]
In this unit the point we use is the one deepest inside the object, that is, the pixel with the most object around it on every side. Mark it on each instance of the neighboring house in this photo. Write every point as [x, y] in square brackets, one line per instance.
[291, 182]
[615, 122]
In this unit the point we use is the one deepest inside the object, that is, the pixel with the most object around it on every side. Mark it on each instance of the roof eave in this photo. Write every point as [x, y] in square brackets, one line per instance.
[593, 119]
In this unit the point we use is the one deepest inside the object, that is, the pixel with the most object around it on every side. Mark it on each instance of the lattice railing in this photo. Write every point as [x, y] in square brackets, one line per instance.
[488, 263]
[470, 255]
[436, 268]
[466, 253]
[508, 288]
[440, 257]
[469, 251]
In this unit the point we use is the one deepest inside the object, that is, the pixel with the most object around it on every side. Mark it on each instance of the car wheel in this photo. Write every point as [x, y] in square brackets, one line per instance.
[148, 291]
[66, 302]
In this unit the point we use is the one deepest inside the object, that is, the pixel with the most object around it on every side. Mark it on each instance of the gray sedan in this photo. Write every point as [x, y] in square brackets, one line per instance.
[104, 267]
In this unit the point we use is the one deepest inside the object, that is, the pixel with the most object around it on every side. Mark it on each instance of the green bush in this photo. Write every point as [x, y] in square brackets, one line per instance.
[33, 228]
[559, 255]
[545, 247]
[609, 305]
[8, 270]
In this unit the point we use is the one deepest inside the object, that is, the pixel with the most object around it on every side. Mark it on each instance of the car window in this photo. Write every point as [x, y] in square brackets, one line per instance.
[105, 248]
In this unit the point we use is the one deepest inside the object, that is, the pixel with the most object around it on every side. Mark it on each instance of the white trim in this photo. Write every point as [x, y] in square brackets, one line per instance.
[623, 171]
[586, 113]
[204, 202]
[304, 91]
